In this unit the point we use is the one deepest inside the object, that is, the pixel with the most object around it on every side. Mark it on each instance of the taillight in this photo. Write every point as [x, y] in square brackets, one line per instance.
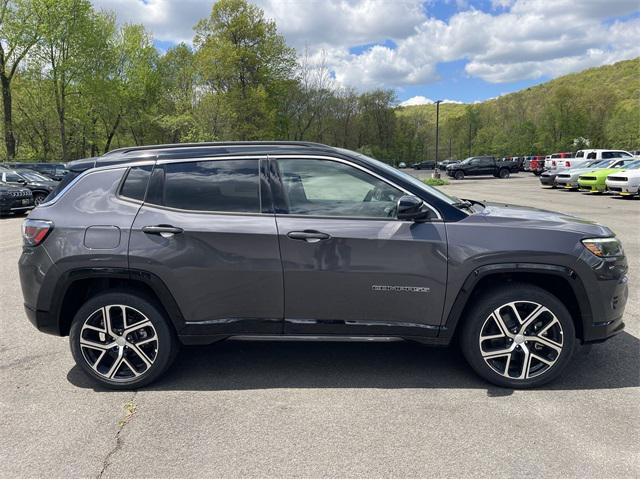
[553, 163]
[35, 231]
[567, 164]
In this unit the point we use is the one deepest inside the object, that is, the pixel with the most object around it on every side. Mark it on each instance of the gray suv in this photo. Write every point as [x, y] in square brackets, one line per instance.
[147, 248]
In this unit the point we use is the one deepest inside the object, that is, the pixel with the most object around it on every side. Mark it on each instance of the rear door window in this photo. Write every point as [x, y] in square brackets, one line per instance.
[231, 186]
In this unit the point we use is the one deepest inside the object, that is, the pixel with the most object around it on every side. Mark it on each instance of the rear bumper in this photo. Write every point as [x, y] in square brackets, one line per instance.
[42, 320]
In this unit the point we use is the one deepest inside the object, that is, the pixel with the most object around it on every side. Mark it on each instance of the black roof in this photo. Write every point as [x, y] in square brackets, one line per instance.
[199, 150]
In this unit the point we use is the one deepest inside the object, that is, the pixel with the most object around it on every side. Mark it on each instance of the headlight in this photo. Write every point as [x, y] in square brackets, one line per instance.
[604, 247]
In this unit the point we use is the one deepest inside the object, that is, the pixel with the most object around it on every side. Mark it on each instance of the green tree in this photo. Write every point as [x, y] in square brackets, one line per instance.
[241, 56]
[19, 33]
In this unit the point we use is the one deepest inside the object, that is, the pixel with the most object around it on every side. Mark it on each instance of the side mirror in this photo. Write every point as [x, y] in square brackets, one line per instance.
[410, 208]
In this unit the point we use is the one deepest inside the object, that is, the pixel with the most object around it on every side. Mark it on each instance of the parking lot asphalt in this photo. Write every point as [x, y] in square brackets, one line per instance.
[276, 409]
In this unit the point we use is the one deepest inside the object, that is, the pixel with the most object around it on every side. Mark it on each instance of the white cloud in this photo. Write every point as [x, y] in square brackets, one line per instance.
[422, 100]
[168, 20]
[517, 40]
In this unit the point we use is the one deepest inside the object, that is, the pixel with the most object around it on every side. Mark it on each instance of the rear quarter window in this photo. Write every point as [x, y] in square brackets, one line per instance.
[135, 183]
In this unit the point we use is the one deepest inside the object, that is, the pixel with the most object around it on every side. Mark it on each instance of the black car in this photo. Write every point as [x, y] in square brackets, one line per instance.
[53, 171]
[443, 164]
[14, 199]
[39, 185]
[424, 165]
[482, 165]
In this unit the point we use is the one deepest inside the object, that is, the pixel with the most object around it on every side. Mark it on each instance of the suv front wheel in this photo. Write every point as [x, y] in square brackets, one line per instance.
[519, 338]
[121, 340]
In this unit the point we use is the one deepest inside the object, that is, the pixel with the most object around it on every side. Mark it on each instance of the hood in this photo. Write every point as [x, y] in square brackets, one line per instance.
[6, 187]
[48, 185]
[603, 171]
[524, 216]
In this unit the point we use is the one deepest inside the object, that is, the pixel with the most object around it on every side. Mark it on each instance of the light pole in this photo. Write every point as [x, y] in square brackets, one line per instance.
[436, 171]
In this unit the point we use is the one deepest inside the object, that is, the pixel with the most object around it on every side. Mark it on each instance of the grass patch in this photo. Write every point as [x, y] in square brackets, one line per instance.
[435, 182]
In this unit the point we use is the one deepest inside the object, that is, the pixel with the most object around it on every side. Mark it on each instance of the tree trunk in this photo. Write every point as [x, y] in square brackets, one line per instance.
[112, 133]
[9, 137]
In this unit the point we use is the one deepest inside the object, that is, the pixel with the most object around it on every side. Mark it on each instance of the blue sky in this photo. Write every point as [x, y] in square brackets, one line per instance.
[459, 50]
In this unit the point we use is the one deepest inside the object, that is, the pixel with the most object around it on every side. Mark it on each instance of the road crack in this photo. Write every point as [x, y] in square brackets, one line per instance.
[130, 408]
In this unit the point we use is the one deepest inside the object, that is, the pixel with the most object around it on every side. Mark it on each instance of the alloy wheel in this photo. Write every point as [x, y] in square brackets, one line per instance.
[119, 342]
[521, 340]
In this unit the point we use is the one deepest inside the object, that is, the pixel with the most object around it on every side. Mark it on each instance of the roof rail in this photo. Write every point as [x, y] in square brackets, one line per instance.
[128, 149]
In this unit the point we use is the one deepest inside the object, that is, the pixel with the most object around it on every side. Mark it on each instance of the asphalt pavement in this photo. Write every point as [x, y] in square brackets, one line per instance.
[276, 409]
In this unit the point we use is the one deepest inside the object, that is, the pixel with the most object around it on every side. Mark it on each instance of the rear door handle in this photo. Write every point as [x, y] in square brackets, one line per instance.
[166, 231]
[310, 236]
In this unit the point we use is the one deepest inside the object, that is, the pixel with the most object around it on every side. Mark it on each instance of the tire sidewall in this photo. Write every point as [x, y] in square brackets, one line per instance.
[486, 304]
[167, 344]
[459, 175]
[503, 173]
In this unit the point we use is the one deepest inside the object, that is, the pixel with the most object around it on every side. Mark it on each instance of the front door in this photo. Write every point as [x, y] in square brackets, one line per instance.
[350, 267]
[207, 232]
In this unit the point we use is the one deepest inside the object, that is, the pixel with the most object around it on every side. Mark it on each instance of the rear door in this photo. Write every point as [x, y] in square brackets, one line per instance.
[207, 231]
[350, 267]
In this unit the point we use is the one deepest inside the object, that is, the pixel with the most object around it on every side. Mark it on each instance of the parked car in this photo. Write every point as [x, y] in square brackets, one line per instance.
[39, 185]
[625, 182]
[150, 247]
[444, 163]
[425, 165]
[480, 165]
[54, 171]
[402, 164]
[14, 199]
[594, 181]
[569, 178]
[536, 165]
[548, 178]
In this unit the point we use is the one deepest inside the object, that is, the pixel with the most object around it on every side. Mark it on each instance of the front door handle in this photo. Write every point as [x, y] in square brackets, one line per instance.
[166, 231]
[310, 236]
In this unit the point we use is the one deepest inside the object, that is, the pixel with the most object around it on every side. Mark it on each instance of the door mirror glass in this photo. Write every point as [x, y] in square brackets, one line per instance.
[410, 208]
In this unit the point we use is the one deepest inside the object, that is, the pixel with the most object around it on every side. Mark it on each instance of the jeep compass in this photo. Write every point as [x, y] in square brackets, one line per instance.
[147, 248]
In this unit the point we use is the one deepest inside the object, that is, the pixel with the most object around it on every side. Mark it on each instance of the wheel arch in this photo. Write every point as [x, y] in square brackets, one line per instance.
[78, 286]
[560, 281]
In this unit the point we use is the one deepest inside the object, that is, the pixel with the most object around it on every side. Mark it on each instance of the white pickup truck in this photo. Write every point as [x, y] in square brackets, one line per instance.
[557, 161]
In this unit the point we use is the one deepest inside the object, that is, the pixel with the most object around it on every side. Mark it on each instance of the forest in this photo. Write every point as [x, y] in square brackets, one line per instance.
[76, 84]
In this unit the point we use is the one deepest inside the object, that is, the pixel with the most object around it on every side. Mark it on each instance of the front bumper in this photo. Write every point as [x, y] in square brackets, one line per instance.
[593, 186]
[605, 283]
[549, 180]
[16, 205]
[623, 188]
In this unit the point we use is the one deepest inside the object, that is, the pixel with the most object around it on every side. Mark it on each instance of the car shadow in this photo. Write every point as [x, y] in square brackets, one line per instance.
[246, 365]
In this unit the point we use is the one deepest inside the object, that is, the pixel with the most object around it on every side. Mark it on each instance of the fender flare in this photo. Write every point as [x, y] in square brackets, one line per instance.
[153, 282]
[449, 326]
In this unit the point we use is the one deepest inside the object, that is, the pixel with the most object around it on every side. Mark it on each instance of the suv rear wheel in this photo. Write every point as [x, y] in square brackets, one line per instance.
[520, 338]
[121, 340]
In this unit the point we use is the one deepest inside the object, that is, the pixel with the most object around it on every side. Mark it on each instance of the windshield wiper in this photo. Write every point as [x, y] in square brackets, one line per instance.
[474, 202]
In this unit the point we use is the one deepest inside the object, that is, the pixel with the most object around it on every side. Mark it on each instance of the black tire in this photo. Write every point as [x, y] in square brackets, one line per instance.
[504, 173]
[459, 175]
[479, 317]
[163, 351]
[39, 198]
[537, 173]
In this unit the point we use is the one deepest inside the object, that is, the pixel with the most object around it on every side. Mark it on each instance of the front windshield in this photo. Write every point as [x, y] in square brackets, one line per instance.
[405, 176]
[634, 165]
[33, 176]
[466, 160]
[603, 163]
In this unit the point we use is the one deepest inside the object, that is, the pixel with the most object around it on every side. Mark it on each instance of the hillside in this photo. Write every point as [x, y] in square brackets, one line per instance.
[599, 104]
